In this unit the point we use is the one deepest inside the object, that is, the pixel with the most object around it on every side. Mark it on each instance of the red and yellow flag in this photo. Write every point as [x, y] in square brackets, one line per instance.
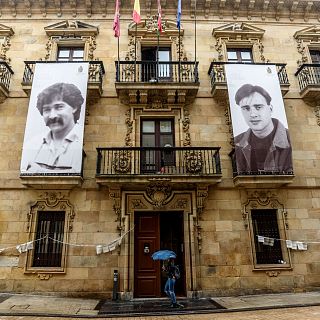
[136, 12]
[116, 21]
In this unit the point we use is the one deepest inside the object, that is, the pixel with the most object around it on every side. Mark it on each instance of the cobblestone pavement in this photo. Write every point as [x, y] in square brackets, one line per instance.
[303, 313]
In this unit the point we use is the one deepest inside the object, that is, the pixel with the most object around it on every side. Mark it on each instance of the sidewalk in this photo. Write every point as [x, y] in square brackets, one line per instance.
[37, 305]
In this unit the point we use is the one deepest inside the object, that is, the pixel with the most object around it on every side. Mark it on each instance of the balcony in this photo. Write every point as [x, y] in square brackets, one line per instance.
[309, 83]
[218, 79]
[134, 166]
[156, 83]
[262, 179]
[96, 73]
[5, 77]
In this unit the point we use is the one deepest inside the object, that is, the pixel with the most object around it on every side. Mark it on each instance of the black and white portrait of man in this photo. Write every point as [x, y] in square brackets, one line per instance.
[54, 130]
[261, 137]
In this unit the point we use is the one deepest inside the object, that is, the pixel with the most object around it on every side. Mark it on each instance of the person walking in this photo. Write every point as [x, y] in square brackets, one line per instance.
[171, 271]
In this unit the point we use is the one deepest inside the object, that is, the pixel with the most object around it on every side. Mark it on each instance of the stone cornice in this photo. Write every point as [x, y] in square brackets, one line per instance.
[236, 9]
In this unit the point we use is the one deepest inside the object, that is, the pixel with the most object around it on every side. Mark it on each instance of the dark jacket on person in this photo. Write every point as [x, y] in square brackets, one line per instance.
[279, 156]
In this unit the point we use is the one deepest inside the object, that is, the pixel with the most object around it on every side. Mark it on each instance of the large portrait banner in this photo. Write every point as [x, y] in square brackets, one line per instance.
[259, 122]
[53, 139]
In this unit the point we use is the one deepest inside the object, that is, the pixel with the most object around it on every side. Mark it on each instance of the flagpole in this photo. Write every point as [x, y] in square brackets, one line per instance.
[135, 54]
[195, 39]
[179, 57]
[118, 75]
[179, 25]
[157, 73]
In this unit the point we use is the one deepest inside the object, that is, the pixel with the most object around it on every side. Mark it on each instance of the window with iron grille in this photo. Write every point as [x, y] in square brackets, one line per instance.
[48, 246]
[265, 223]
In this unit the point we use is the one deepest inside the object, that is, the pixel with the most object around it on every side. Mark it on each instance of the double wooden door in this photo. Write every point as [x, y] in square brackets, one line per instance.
[155, 231]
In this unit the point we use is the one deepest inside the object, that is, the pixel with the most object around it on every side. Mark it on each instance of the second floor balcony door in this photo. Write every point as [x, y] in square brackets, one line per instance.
[315, 58]
[154, 69]
[157, 134]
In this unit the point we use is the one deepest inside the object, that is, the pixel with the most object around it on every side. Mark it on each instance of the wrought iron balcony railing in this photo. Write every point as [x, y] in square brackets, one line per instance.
[157, 71]
[218, 76]
[201, 161]
[5, 75]
[236, 173]
[308, 75]
[96, 71]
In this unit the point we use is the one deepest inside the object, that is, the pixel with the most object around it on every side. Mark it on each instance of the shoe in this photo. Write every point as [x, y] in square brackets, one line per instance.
[176, 305]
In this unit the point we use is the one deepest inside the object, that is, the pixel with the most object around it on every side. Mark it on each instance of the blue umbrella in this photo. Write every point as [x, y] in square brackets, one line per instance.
[163, 255]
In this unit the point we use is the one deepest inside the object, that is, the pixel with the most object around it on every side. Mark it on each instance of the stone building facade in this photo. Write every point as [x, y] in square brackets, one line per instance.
[193, 201]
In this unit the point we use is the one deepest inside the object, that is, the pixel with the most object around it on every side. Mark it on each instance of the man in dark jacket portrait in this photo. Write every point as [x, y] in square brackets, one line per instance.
[265, 146]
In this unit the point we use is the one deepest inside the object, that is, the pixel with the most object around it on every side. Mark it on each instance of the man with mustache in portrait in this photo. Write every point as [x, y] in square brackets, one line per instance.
[58, 151]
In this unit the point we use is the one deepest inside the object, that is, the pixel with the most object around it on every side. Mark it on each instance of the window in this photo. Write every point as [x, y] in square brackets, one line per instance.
[239, 55]
[157, 133]
[153, 69]
[70, 54]
[50, 222]
[48, 246]
[265, 223]
[315, 56]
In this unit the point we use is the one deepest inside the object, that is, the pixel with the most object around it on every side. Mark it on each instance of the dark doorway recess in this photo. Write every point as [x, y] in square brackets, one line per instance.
[155, 231]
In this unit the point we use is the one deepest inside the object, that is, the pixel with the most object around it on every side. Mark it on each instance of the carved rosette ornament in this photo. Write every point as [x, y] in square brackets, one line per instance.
[159, 193]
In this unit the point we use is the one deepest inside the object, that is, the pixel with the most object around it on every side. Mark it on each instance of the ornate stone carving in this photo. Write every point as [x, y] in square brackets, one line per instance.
[263, 199]
[51, 201]
[273, 273]
[5, 42]
[121, 162]
[304, 38]
[180, 204]
[193, 161]
[234, 34]
[129, 125]
[115, 195]
[202, 194]
[186, 127]
[74, 31]
[158, 193]
[317, 114]
[44, 276]
[229, 124]
[138, 204]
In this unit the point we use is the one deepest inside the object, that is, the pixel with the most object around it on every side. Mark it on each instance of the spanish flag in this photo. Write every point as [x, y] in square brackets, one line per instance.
[136, 12]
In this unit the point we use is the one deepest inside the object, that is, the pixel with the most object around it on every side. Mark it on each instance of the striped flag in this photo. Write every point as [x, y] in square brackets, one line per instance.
[159, 17]
[136, 12]
[179, 14]
[116, 21]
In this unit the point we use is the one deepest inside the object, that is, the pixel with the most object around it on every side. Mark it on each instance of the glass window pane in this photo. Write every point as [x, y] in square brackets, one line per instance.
[232, 55]
[78, 53]
[164, 55]
[148, 126]
[64, 53]
[245, 55]
[165, 126]
[148, 141]
[166, 141]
